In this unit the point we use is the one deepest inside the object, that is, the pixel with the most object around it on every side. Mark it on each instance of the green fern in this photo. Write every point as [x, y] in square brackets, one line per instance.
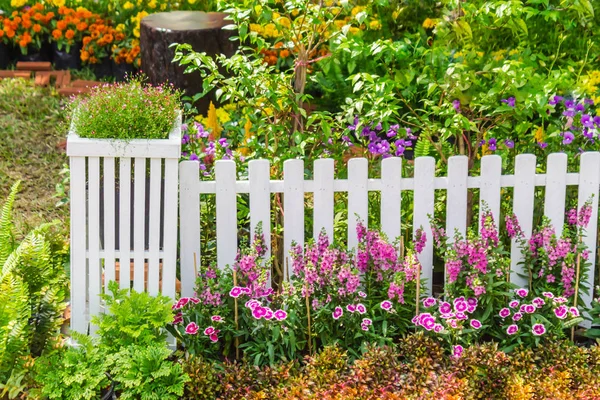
[6, 224]
[422, 147]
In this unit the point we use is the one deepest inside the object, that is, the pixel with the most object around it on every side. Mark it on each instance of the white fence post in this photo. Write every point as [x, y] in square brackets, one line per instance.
[489, 193]
[78, 246]
[323, 197]
[259, 177]
[456, 196]
[391, 197]
[424, 198]
[293, 207]
[189, 226]
[358, 197]
[556, 190]
[227, 244]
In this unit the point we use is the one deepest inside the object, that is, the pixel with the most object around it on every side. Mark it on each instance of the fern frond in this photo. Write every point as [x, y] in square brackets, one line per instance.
[6, 224]
[423, 147]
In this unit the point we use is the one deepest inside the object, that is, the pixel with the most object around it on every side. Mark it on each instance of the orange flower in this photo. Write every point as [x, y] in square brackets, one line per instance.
[119, 36]
[26, 23]
[87, 40]
[56, 34]
[108, 38]
[278, 45]
[70, 34]
[10, 33]
[49, 16]
[85, 56]
[37, 28]
[17, 20]
[38, 6]
[284, 53]
[93, 60]
[62, 10]
[81, 26]
[38, 16]
[68, 19]
[62, 25]
[1, 33]
[22, 43]
[95, 34]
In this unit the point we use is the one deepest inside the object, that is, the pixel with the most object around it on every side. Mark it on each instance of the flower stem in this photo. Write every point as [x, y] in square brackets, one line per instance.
[308, 316]
[576, 288]
[237, 327]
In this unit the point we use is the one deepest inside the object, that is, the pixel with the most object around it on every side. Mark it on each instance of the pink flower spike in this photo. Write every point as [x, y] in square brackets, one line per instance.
[512, 329]
[386, 305]
[192, 328]
[235, 292]
[209, 331]
[538, 329]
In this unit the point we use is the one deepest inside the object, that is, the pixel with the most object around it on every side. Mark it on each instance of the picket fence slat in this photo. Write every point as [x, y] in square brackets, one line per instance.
[588, 191]
[456, 197]
[154, 226]
[556, 190]
[94, 274]
[259, 174]
[139, 215]
[424, 199]
[124, 222]
[323, 198]
[109, 220]
[170, 227]
[358, 198]
[491, 172]
[293, 207]
[391, 197]
[523, 203]
[225, 174]
[189, 225]
[78, 246]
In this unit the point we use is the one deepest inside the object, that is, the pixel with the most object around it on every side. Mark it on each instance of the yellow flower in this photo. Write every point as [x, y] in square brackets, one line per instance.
[152, 4]
[539, 135]
[212, 122]
[128, 6]
[479, 53]
[357, 9]
[375, 25]
[354, 30]
[222, 115]
[136, 32]
[271, 30]
[395, 15]
[513, 52]
[163, 6]
[275, 16]
[429, 23]
[58, 3]
[499, 55]
[285, 22]
[191, 1]
[295, 13]
[247, 136]
[339, 23]
[258, 9]
[120, 28]
[18, 3]
[256, 28]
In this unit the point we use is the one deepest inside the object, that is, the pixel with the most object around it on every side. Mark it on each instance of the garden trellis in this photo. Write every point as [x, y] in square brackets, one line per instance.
[89, 257]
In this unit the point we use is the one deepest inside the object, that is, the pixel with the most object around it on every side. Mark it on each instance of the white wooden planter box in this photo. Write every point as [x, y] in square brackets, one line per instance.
[97, 166]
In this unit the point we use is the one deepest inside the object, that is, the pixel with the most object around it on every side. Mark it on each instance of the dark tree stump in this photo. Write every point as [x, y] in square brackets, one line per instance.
[199, 29]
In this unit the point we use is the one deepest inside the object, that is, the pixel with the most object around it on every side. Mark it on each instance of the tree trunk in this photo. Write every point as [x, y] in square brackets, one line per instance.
[199, 29]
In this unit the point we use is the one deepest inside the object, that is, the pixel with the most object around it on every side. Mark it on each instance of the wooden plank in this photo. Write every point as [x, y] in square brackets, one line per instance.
[85, 84]
[95, 285]
[42, 78]
[323, 198]
[124, 220]
[144, 148]
[15, 74]
[358, 198]
[225, 176]
[66, 80]
[293, 207]
[189, 225]
[139, 223]
[72, 91]
[170, 227]
[34, 66]
[489, 193]
[391, 197]
[523, 203]
[78, 263]
[259, 174]
[589, 182]
[456, 196]
[556, 190]
[154, 228]
[109, 220]
[424, 198]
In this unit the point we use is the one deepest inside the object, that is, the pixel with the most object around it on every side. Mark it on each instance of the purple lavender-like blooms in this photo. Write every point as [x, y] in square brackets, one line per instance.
[555, 100]
[567, 137]
[235, 292]
[492, 144]
[346, 140]
[588, 134]
[428, 323]
[574, 312]
[194, 157]
[505, 312]
[337, 312]
[589, 102]
[353, 126]
[542, 145]
[393, 131]
[437, 328]
[529, 308]
[569, 104]
[184, 127]
[522, 292]
[512, 329]
[429, 302]
[509, 143]
[561, 312]
[457, 351]
[400, 151]
[409, 134]
[510, 101]
[475, 323]
[569, 113]
[580, 107]
[517, 316]
[185, 139]
[201, 132]
[445, 308]
[361, 308]
[587, 121]
[223, 142]
[456, 105]
[514, 304]
[538, 329]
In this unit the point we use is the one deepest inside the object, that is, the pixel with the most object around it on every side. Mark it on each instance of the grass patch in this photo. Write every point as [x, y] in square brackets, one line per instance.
[31, 127]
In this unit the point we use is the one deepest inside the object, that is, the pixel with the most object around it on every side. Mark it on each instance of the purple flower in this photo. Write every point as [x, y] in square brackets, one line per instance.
[351, 308]
[597, 121]
[538, 329]
[569, 103]
[574, 311]
[456, 105]
[223, 142]
[510, 101]
[492, 144]
[185, 139]
[428, 323]
[514, 304]
[429, 302]
[509, 143]
[561, 312]
[216, 318]
[569, 113]
[522, 293]
[567, 137]
[184, 127]
[337, 313]
[235, 292]
[475, 323]
[517, 316]
[393, 131]
[588, 102]
[386, 305]
[512, 329]
[587, 121]
[555, 100]
[457, 351]
[505, 312]
[542, 145]
[579, 107]
[194, 157]
[361, 308]
[280, 315]
[192, 328]
[445, 308]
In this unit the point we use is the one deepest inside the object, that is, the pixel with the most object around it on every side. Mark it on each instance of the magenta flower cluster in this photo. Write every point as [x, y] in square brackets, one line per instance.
[443, 315]
[260, 312]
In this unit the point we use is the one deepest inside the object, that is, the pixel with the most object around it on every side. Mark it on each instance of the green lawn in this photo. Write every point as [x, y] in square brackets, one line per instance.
[31, 127]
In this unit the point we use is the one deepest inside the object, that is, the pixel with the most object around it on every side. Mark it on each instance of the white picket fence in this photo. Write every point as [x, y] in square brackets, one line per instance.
[391, 184]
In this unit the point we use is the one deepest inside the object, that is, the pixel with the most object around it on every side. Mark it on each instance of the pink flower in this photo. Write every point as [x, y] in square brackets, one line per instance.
[192, 328]
[246, 291]
[560, 300]
[178, 319]
[574, 311]
[445, 308]
[461, 316]
[428, 323]
[472, 302]
[194, 300]
[561, 312]
[209, 331]
[514, 304]
[351, 308]
[269, 313]
[529, 308]
[429, 302]
[235, 292]
[337, 312]
[386, 305]
[512, 329]
[361, 308]
[457, 351]
[259, 312]
[548, 295]
[461, 306]
[214, 338]
[538, 329]
[522, 292]
[281, 315]
[364, 327]
[437, 328]
[475, 323]
[216, 318]
[539, 302]
[505, 312]
[362, 294]
[367, 321]
[181, 303]
[517, 316]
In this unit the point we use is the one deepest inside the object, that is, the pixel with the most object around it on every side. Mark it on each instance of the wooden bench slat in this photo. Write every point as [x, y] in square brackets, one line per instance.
[34, 66]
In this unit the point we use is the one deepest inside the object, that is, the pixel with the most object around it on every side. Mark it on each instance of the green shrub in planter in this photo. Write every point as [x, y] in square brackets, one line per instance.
[128, 110]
